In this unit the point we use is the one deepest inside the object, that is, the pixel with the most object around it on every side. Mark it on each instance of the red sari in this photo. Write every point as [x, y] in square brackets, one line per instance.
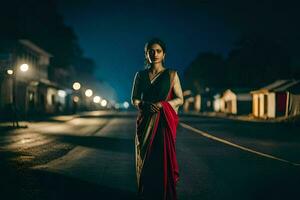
[156, 163]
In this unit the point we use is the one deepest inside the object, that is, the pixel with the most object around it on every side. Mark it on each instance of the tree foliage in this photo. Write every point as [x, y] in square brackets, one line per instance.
[40, 22]
[253, 62]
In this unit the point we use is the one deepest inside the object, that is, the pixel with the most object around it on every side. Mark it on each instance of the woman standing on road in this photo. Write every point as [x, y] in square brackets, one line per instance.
[157, 95]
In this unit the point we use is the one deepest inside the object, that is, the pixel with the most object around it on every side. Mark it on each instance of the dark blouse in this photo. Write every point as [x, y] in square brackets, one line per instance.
[156, 91]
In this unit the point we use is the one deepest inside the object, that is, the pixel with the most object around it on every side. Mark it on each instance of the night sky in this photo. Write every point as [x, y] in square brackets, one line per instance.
[113, 33]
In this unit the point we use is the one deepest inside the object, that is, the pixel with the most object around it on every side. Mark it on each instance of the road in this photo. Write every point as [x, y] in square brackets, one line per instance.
[92, 157]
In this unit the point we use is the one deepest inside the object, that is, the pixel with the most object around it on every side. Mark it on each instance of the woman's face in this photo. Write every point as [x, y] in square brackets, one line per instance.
[155, 54]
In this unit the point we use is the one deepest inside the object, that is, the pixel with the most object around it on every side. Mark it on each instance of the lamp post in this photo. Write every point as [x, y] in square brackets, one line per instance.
[23, 68]
[13, 74]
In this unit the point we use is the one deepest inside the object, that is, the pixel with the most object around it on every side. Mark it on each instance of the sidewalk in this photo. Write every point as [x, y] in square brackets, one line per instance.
[8, 125]
[247, 118]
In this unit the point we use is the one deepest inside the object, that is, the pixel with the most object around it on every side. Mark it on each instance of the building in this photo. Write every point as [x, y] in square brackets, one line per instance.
[278, 99]
[24, 77]
[236, 101]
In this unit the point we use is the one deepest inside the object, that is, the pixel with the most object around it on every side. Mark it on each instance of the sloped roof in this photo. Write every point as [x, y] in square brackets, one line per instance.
[34, 47]
[273, 86]
[293, 86]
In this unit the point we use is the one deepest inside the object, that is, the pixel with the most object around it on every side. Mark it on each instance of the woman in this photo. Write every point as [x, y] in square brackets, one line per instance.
[157, 94]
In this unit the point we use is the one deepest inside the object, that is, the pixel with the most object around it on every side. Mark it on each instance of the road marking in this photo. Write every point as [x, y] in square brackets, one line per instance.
[236, 145]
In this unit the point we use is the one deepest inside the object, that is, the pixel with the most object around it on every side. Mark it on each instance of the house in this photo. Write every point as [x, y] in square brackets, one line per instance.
[237, 101]
[24, 79]
[273, 100]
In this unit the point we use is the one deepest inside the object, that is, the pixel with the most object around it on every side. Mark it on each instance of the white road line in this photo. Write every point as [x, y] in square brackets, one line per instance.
[236, 145]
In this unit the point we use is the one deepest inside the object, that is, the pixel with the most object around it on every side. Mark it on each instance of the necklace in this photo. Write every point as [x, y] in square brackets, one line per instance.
[154, 74]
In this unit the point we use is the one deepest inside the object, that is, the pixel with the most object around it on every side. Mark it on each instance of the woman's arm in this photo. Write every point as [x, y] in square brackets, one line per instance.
[136, 91]
[178, 96]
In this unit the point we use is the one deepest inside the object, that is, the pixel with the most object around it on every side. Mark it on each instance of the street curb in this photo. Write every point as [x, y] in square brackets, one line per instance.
[243, 118]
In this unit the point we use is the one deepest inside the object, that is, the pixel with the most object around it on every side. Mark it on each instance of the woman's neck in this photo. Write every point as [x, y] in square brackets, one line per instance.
[156, 67]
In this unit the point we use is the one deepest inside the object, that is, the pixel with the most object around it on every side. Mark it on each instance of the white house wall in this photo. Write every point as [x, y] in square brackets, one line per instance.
[50, 104]
[261, 105]
[255, 105]
[229, 96]
[271, 105]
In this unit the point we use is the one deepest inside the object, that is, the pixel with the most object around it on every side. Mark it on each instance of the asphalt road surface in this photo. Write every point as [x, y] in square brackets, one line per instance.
[92, 157]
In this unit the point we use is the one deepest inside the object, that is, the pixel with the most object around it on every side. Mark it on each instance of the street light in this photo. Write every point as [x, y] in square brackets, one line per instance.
[10, 72]
[126, 105]
[88, 93]
[76, 86]
[103, 103]
[97, 99]
[76, 99]
[24, 67]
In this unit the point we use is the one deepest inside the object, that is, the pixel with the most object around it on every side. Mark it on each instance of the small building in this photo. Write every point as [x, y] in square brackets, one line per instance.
[272, 100]
[293, 97]
[237, 101]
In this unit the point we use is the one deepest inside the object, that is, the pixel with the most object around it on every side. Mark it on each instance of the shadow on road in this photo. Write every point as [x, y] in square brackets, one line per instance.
[97, 142]
[35, 184]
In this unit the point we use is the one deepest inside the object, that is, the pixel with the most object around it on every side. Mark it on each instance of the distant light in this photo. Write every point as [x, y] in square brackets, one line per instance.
[117, 106]
[76, 99]
[88, 92]
[208, 103]
[76, 86]
[207, 89]
[126, 105]
[103, 103]
[24, 67]
[96, 99]
[10, 71]
[62, 93]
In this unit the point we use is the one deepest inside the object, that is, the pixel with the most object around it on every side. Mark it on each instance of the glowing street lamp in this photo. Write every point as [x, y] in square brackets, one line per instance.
[103, 103]
[10, 72]
[76, 99]
[97, 99]
[126, 105]
[88, 93]
[24, 67]
[76, 86]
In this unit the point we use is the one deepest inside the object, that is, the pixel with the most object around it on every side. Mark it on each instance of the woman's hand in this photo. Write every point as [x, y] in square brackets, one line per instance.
[155, 107]
[150, 107]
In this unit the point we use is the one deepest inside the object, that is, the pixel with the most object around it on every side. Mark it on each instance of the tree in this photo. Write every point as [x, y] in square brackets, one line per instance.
[257, 60]
[40, 22]
[207, 70]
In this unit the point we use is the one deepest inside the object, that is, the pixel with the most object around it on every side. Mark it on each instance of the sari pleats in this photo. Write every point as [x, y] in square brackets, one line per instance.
[156, 163]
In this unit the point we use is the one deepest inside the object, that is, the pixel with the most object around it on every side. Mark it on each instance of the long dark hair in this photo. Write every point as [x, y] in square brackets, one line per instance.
[148, 46]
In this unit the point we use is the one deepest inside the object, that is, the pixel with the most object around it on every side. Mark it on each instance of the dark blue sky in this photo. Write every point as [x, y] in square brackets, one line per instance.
[114, 34]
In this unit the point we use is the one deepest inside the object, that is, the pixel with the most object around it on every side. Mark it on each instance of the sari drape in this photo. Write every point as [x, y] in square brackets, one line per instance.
[156, 163]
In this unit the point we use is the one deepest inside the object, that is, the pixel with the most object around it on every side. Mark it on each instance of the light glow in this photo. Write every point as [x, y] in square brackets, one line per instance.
[126, 105]
[24, 67]
[88, 92]
[76, 99]
[76, 86]
[10, 72]
[62, 93]
[103, 103]
[96, 99]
